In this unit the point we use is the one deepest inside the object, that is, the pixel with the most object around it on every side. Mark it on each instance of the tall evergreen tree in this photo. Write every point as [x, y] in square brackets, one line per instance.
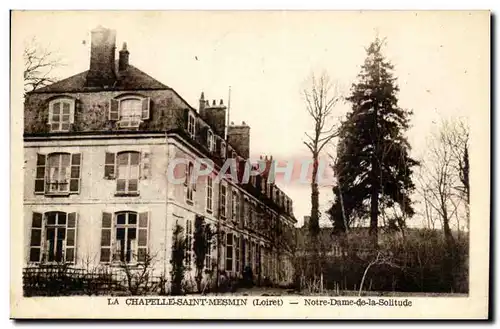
[373, 167]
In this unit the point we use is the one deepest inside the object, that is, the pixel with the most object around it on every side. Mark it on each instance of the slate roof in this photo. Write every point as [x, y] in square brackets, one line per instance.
[130, 79]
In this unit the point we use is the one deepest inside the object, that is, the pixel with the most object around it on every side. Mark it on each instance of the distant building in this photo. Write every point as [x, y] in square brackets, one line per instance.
[97, 146]
[332, 244]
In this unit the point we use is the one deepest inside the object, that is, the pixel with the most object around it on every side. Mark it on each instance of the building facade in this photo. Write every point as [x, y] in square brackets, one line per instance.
[97, 192]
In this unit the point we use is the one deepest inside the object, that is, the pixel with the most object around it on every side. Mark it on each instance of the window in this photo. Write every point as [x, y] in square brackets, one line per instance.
[129, 112]
[189, 243]
[124, 236]
[110, 165]
[127, 173]
[254, 254]
[209, 193]
[234, 207]
[61, 114]
[208, 255]
[127, 168]
[222, 149]
[223, 200]
[236, 253]
[53, 237]
[251, 215]
[229, 252]
[58, 173]
[210, 140]
[191, 125]
[191, 185]
[248, 245]
[246, 212]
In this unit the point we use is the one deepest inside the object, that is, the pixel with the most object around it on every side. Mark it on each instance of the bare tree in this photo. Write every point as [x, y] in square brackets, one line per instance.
[445, 185]
[321, 97]
[382, 258]
[39, 64]
[139, 278]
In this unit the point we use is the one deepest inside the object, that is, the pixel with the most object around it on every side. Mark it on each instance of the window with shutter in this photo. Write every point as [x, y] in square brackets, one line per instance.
[208, 255]
[244, 253]
[40, 174]
[75, 180]
[145, 108]
[146, 165]
[114, 110]
[229, 252]
[106, 230]
[71, 237]
[124, 237]
[223, 150]
[223, 200]
[191, 125]
[210, 140]
[189, 243]
[53, 237]
[109, 165]
[190, 182]
[236, 253]
[142, 241]
[130, 112]
[36, 237]
[234, 206]
[209, 199]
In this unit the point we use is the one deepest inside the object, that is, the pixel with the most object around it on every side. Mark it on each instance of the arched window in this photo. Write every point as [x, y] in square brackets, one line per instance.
[127, 172]
[61, 114]
[58, 173]
[129, 111]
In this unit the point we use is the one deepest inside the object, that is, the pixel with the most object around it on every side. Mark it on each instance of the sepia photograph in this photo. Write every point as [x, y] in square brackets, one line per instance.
[281, 164]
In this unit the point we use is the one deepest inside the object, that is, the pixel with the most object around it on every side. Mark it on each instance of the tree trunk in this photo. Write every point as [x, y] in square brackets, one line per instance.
[374, 207]
[314, 221]
[449, 261]
[198, 281]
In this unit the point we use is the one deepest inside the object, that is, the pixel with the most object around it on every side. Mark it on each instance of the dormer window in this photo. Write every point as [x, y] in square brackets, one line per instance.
[223, 149]
[191, 125]
[210, 140]
[130, 112]
[61, 114]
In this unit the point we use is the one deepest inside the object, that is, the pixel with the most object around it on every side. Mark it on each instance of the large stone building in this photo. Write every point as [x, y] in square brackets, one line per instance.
[97, 146]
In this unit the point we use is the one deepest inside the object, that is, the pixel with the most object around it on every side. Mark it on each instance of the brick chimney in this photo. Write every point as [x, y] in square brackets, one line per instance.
[239, 137]
[214, 115]
[306, 221]
[102, 58]
[123, 58]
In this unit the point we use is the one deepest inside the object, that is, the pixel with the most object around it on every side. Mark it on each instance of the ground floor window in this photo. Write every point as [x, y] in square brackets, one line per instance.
[208, 255]
[53, 237]
[124, 236]
[229, 252]
[237, 254]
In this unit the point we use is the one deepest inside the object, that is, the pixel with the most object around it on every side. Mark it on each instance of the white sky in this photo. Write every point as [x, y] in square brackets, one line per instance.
[439, 57]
